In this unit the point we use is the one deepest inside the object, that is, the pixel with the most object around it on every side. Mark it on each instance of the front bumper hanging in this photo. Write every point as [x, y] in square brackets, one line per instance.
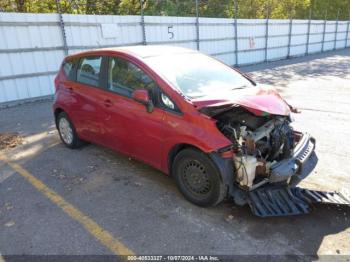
[286, 201]
[286, 168]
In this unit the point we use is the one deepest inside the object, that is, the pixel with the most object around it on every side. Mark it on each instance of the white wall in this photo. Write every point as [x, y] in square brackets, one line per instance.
[31, 45]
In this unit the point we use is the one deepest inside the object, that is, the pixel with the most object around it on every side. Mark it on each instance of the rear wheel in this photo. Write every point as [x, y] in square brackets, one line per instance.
[67, 131]
[198, 178]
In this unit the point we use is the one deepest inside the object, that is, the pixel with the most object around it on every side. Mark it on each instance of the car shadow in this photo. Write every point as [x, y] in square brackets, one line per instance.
[305, 232]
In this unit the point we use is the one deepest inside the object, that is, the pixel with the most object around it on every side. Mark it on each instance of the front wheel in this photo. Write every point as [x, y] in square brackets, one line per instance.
[198, 178]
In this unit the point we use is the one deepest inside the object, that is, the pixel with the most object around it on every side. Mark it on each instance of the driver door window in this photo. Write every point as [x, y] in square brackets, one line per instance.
[124, 77]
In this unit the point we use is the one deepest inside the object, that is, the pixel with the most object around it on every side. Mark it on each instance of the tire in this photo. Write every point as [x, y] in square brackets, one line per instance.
[67, 131]
[198, 178]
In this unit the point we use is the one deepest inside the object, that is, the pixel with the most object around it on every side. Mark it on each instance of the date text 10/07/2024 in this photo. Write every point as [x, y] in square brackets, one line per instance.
[173, 258]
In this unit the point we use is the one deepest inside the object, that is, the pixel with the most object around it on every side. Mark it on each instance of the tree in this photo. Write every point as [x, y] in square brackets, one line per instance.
[279, 9]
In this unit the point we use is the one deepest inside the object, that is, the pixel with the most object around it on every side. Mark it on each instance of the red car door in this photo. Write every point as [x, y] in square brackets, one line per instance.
[131, 129]
[88, 90]
[65, 90]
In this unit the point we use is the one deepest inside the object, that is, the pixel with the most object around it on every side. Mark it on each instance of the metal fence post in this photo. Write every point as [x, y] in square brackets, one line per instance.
[336, 32]
[144, 41]
[324, 30]
[308, 32]
[267, 33]
[347, 34]
[290, 36]
[236, 36]
[63, 30]
[197, 24]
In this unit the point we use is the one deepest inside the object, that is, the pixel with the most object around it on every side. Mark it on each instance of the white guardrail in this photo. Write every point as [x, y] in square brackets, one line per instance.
[32, 46]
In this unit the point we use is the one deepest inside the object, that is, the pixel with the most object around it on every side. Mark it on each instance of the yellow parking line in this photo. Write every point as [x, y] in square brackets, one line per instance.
[106, 238]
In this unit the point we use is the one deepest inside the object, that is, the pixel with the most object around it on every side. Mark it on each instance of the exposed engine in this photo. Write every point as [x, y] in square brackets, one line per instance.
[258, 142]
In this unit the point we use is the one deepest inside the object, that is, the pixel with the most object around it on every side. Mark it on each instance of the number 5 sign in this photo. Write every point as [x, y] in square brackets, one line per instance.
[170, 32]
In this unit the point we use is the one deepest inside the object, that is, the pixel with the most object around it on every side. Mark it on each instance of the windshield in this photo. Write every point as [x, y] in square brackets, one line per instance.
[197, 75]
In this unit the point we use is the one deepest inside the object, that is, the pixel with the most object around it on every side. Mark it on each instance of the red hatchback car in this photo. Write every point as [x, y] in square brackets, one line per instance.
[211, 127]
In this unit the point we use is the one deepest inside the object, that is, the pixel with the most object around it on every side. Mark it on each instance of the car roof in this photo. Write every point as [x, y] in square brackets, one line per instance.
[141, 51]
[155, 50]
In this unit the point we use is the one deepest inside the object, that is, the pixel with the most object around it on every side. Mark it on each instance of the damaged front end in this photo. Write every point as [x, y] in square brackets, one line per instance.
[267, 153]
[266, 148]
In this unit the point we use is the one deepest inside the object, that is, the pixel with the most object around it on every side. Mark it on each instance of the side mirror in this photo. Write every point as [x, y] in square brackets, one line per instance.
[142, 96]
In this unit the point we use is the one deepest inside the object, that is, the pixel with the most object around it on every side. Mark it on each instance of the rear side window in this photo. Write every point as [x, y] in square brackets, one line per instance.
[89, 70]
[68, 69]
[124, 77]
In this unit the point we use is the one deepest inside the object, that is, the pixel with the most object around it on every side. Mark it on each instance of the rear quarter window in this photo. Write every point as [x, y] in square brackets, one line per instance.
[68, 68]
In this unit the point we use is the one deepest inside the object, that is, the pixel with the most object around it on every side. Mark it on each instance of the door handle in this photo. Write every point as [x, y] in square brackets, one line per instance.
[70, 89]
[107, 103]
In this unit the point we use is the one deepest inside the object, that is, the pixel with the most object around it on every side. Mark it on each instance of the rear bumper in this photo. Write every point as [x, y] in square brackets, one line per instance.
[285, 169]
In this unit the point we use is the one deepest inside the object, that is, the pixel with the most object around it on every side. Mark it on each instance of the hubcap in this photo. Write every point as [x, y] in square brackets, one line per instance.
[65, 131]
[196, 177]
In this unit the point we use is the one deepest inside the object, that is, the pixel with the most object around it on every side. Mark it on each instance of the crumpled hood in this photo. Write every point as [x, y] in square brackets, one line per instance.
[259, 100]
